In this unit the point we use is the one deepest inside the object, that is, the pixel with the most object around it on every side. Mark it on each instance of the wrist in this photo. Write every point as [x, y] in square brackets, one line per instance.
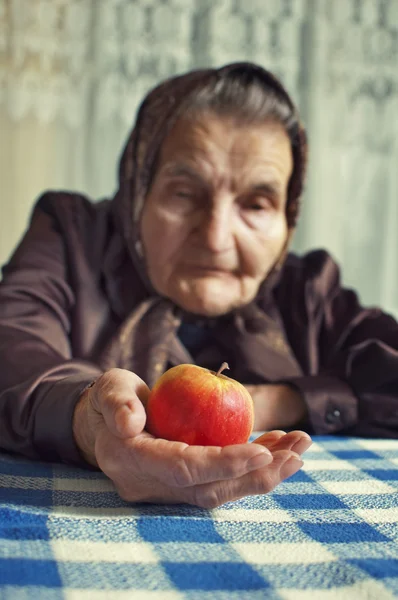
[295, 406]
[82, 431]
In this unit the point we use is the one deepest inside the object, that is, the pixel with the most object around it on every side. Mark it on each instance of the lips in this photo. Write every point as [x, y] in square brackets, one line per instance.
[208, 269]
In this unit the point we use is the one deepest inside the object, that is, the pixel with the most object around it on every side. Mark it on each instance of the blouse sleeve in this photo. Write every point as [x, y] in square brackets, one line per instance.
[40, 381]
[355, 389]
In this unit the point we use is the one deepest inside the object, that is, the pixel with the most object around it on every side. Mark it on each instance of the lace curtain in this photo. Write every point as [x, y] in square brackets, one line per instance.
[72, 73]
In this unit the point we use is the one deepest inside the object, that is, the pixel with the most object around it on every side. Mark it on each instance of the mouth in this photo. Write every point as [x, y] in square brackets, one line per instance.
[209, 270]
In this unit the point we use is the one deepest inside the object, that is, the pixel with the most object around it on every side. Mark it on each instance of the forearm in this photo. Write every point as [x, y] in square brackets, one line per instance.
[38, 394]
[324, 405]
[332, 405]
[377, 416]
[318, 404]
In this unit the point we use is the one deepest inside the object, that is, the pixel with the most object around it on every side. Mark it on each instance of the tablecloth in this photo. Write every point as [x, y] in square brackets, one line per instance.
[328, 532]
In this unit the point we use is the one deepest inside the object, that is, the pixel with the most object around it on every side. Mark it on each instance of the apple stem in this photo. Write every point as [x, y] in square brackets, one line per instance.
[221, 369]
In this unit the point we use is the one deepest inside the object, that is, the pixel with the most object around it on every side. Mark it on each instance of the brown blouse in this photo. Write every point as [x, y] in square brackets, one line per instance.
[73, 305]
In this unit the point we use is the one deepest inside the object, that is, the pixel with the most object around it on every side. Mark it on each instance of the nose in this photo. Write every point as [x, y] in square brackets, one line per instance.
[217, 229]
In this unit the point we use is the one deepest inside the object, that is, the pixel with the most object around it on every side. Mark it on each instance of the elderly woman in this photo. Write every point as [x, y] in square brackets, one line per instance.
[188, 264]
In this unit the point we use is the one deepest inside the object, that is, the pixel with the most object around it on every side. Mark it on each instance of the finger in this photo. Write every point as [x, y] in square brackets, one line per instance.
[270, 438]
[119, 395]
[290, 466]
[261, 481]
[297, 441]
[303, 442]
[180, 465]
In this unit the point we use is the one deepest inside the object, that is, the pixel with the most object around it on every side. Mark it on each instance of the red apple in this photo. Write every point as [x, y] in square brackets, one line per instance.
[200, 407]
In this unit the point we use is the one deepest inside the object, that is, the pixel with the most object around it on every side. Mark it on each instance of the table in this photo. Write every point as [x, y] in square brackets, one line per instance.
[329, 532]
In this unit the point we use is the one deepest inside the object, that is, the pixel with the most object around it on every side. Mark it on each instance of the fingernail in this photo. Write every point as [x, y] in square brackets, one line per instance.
[259, 460]
[291, 466]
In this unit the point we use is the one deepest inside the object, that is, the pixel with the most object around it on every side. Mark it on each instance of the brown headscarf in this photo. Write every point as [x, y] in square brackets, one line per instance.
[157, 115]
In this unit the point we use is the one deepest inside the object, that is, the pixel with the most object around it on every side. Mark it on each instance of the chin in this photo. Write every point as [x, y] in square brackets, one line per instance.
[207, 310]
[208, 302]
[209, 297]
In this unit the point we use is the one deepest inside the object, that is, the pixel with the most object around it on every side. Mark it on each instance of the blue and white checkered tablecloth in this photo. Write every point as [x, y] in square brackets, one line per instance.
[329, 532]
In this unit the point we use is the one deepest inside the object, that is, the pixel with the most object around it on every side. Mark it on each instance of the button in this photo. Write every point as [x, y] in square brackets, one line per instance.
[333, 416]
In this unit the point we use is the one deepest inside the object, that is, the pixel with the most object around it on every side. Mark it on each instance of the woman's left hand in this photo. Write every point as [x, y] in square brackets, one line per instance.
[276, 406]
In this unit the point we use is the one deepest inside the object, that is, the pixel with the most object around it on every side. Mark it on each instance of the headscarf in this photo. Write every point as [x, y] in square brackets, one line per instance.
[144, 343]
[157, 114]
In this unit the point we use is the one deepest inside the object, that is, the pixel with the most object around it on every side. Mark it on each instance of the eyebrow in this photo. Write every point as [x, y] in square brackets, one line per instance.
[269, 188]
[182, 170]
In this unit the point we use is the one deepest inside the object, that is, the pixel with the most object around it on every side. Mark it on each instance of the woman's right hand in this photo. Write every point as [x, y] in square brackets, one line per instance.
[109, 428]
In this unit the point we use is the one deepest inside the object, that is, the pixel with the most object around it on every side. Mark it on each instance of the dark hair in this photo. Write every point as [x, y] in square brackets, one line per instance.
[241, 95]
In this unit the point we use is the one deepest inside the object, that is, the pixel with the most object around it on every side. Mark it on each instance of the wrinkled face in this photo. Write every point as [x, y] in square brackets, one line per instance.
[213, 223]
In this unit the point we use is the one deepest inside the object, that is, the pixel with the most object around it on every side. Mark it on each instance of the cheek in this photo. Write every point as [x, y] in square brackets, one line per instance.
[162, 237]
[260, 250]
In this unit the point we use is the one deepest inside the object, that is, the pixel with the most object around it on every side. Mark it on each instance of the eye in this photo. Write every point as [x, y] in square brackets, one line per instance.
[258, 204]
[181, 199]
[186, 194]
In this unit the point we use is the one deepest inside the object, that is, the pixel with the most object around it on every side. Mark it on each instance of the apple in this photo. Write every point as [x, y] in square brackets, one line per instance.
[200, 407]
